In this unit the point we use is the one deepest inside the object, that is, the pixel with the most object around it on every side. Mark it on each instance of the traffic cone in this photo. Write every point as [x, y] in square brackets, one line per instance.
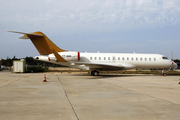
[179, 80]
[44, 78]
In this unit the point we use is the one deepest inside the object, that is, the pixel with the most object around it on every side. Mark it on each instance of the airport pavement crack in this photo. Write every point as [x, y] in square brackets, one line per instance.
[68, 98]
[12, 82]
[176, 104]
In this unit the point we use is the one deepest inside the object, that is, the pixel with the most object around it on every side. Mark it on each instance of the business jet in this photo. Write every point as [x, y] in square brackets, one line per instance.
[95, 62]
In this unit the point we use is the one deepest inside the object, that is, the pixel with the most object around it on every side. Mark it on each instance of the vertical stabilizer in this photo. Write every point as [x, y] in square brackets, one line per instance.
[43, 44]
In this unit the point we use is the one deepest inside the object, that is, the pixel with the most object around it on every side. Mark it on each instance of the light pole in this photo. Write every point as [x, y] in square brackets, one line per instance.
[172, 54]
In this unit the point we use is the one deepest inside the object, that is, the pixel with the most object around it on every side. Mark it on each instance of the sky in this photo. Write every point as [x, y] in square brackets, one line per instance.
[112, 26]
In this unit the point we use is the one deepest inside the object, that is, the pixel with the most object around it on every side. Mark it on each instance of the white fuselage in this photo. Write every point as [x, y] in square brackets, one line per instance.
[133, 60]
[93, 61]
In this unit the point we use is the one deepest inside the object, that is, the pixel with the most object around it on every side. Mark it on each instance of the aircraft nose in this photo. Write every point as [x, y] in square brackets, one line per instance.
[174, 65]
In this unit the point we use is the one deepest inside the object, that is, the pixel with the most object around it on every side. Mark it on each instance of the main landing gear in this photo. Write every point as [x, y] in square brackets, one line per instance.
[94, 73]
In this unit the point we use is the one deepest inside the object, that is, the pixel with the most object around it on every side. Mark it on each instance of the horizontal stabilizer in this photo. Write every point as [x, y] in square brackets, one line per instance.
[25, 34]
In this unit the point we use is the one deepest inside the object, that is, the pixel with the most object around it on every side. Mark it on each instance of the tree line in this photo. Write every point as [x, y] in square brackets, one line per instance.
[29, 61]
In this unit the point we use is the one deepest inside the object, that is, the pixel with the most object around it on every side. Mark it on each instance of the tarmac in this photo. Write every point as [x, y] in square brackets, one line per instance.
[79, 96]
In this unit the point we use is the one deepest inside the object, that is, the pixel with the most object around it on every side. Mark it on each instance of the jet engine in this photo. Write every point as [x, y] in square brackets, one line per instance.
[68, 56]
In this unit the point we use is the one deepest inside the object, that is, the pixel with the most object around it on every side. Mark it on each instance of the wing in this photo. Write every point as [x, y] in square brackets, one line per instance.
[105, 66]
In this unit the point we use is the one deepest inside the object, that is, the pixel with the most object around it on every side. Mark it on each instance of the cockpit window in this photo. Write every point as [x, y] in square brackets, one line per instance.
[164, 58]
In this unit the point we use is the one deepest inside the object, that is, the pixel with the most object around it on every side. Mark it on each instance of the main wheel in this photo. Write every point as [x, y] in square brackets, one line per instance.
[94, 73]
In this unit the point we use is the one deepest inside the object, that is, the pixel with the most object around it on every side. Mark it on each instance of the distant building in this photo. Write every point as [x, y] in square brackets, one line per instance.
[19, 66]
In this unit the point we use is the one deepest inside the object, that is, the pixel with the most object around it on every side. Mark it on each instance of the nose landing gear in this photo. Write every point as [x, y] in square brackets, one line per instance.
[164, 72]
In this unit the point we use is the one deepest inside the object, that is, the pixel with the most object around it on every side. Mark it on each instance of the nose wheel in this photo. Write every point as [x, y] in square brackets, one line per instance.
[164, 72]
[94, 73]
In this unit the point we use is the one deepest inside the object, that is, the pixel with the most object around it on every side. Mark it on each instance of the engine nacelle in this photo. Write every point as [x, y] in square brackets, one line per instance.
[69, 56]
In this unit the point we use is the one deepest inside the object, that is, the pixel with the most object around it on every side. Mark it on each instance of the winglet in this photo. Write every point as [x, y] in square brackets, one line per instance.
[58, 57]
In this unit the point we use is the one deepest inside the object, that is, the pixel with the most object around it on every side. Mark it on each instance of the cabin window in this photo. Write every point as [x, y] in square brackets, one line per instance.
[136, 59]
[90, 58]
[95, 58]
[141, 59]
[108, 58]
[123, 58]
[104, 58]
[164, 58]
[113, 58]
[145, 59]
[132, 59]
[99, 58]
[118, 58]
[154, 59]
[149, 59]
[127, 58]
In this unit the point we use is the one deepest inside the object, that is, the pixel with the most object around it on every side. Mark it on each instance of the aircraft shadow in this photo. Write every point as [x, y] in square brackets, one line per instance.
[106, 75]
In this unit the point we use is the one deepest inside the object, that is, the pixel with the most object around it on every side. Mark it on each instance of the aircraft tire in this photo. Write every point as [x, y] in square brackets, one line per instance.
[164, 74]
[94, 73]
